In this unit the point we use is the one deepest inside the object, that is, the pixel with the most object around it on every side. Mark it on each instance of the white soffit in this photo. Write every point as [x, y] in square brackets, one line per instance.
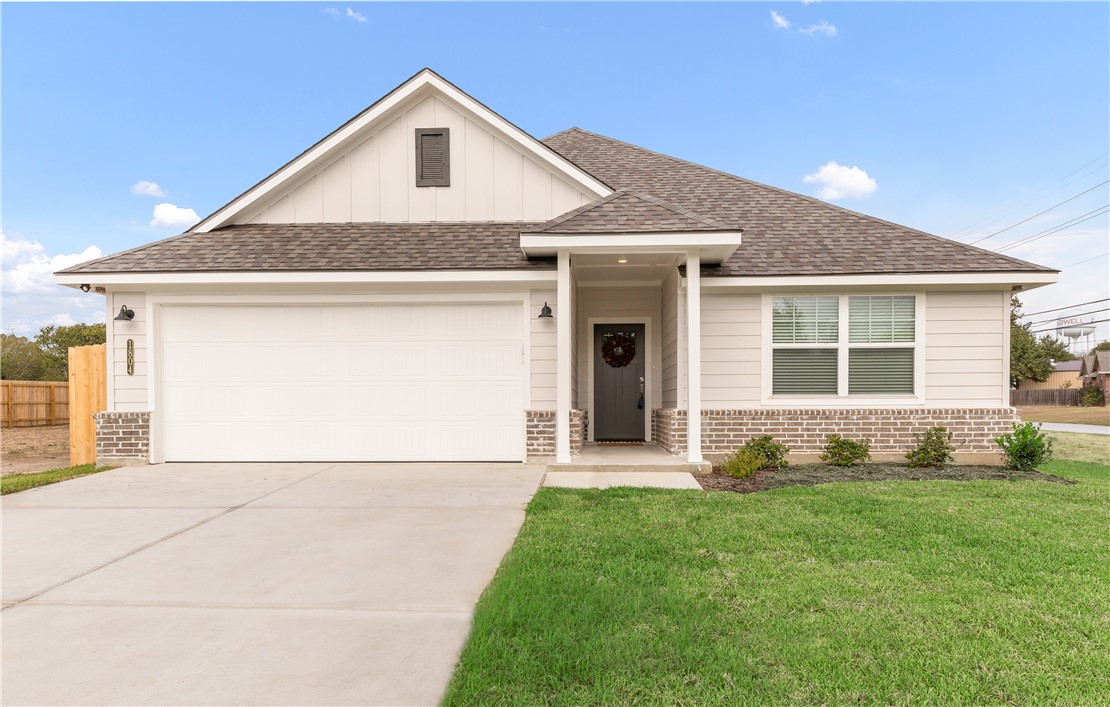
[423, 84]
[714, 247]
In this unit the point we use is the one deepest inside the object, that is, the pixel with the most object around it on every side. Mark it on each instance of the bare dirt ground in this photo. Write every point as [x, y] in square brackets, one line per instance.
[27, 449]
[1065, 413]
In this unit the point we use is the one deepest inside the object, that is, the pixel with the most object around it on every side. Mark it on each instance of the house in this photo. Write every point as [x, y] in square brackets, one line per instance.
[429, 282]
[1095, 372]
[1066, 375]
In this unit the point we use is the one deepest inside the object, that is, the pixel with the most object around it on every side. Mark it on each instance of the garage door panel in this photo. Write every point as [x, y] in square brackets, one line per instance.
[343, 383]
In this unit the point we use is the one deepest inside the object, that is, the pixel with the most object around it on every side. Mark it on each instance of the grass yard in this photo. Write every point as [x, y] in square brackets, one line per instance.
[21, 482]
[1063, 413]
[895, 592]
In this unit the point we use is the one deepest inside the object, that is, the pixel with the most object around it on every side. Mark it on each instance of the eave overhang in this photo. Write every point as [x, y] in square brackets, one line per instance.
[714, 246]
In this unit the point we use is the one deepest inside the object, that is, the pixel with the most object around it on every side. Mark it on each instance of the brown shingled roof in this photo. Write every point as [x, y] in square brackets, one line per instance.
[784, 233]
[626, 212]
[330, 246]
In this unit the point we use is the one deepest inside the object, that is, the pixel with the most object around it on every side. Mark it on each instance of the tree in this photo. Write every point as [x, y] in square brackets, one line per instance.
[1104, 346]
[20, 359]
[1032, 358]
[55, 342]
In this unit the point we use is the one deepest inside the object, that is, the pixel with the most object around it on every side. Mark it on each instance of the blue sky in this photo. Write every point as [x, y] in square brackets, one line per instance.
[955, 112]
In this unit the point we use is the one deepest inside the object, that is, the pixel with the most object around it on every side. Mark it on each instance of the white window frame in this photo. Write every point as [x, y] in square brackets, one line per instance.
[842, 398]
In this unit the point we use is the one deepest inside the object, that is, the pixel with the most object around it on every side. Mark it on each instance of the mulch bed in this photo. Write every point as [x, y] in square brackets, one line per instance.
[814, 474]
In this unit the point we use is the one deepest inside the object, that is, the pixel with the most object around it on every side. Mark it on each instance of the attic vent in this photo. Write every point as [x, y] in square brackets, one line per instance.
[433, 157]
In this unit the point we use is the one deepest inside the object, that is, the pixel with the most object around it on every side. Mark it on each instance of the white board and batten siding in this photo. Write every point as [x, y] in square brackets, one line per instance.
[375, 180]
[345, 382]
[966, 350]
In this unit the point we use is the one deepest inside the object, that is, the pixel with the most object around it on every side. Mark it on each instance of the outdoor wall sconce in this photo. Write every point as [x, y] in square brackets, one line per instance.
[545, 313]
[86, 287]
[125, 314]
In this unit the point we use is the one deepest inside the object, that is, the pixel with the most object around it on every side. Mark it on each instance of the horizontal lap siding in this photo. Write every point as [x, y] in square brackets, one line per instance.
[965, 348]
[543, 342]
[730, 350]
[669, 335]
[614, 303]
[129, 392]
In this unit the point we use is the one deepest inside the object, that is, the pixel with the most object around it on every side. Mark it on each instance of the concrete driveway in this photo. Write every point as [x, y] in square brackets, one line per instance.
[311, 584]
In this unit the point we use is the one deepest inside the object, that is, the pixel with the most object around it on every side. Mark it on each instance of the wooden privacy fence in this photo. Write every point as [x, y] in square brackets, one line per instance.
[34, 403]
[1060, 396]
[88, 395]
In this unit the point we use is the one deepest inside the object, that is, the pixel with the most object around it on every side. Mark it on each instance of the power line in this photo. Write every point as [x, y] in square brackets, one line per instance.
[1084, 261]
[1070, 306]
[1045, 331]
[1015, 225]
[1077, 314]
[1055, 230]
[1024, 201]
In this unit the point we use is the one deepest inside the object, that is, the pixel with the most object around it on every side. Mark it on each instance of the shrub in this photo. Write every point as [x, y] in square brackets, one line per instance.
[934, 448]
[1092, 396]
[773, 452]
[1026, 447]
[743, 463]
[845, 452]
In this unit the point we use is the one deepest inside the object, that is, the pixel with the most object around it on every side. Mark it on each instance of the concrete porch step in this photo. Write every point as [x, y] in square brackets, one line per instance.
[628, 467]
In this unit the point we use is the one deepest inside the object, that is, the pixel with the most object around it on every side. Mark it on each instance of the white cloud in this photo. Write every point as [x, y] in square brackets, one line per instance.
[147, 188]
[348, 13]
[780, 21]
[839, 182]
[822, 27]
[31, 297]
[810, 2]
[172, 216]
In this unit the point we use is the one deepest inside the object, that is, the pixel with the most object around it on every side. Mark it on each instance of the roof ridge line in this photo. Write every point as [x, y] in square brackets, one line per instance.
[816, 201]
[662, 203]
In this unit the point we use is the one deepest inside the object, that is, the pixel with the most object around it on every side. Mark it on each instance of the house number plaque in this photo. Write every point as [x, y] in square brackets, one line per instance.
[130, 357]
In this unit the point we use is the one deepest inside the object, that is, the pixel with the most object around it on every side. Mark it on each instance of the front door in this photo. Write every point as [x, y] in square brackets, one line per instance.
[619, 355]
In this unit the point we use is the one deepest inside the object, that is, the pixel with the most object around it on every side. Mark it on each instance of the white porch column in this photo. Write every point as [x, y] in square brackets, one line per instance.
[564, 318]
[693, 357]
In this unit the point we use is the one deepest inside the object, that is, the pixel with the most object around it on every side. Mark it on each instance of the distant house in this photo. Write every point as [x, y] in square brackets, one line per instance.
[1095, 371]
[1066, 375]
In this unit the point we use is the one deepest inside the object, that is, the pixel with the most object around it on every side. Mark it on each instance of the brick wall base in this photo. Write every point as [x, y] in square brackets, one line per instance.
[890, 430]
[540, 433]
[122, 438]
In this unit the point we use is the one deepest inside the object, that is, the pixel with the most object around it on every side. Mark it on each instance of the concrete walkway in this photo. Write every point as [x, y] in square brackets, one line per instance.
[258, 584]
[1068, 427]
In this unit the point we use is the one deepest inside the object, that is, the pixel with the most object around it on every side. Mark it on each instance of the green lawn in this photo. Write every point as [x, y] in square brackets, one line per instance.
[895, 592]
[21, 482]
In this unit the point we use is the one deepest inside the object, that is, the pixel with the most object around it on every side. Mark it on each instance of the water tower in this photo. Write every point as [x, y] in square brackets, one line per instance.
[1074, 328]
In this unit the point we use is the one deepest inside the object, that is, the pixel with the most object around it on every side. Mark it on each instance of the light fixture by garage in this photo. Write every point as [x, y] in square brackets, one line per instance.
[545, 313]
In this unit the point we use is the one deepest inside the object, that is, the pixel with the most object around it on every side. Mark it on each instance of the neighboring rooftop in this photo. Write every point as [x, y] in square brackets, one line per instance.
[1068, 366]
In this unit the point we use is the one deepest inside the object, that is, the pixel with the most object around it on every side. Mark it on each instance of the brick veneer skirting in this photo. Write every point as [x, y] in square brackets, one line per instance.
[122, 437]
[540, 433]
[890, 430]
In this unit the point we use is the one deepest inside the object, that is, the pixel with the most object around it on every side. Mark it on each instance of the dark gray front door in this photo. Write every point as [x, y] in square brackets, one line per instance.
[619, 382]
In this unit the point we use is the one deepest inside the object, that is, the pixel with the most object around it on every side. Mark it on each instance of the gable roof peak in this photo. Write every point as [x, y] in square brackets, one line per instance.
[627, 211]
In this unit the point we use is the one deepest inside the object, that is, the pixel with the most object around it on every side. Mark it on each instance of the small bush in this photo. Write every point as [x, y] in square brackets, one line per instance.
[845, 452]
[1026, 447]
[743, 463]
[934, 448]
[1092, 396]
[773, 452]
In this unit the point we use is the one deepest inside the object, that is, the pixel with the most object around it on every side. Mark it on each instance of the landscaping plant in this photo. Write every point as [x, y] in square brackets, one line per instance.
[743, 463]
[1092, 396]
[774, 453]
[1026, 447]
[934, 448]
[840, 451]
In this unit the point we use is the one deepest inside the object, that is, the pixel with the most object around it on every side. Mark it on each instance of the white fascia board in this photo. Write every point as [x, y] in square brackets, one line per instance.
[715, 247]
[421, 84]
[989, 280]
[307, 277]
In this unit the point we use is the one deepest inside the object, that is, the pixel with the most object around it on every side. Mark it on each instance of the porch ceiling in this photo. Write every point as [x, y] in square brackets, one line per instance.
[639, 267]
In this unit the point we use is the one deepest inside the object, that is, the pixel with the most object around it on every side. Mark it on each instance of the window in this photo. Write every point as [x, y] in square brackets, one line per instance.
[830, 345]
[433, 157]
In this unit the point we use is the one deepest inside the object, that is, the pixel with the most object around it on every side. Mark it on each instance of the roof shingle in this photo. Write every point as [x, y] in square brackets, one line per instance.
[626, 212]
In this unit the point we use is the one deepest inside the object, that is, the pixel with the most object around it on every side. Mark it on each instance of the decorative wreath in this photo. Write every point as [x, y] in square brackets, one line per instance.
[619, 349]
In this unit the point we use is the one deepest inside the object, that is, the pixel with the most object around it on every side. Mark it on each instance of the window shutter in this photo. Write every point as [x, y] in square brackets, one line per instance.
[880, 371]
[433, 157]
[804, 372]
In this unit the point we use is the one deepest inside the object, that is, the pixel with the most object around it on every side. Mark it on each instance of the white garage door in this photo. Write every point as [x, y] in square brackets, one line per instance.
[417, 382]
